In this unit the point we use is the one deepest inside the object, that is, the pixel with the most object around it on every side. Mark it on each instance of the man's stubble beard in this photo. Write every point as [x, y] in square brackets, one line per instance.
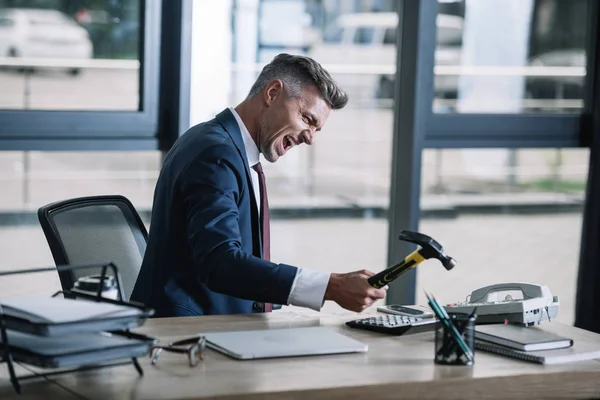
[267, 149]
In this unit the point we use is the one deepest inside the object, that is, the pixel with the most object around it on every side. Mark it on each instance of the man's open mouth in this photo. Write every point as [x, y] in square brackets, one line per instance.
[288, 143]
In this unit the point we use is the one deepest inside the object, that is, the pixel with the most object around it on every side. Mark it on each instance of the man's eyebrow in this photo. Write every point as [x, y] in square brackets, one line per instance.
[312, 118]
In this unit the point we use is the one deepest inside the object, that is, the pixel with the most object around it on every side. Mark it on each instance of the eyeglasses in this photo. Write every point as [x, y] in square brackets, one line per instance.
[193, 347]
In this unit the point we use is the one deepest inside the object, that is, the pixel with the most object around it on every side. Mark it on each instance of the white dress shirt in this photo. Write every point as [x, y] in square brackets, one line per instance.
[308, 288]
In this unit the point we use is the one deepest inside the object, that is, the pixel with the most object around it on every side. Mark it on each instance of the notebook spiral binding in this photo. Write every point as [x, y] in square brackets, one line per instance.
[491, 348]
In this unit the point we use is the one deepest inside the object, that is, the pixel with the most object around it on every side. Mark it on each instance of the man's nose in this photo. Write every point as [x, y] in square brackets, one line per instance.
[307, 136]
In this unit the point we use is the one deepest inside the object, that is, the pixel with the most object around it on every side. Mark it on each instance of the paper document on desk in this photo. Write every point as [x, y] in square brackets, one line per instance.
[59, 310]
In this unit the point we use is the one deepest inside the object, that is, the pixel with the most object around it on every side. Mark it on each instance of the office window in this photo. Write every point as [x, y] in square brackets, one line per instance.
[364, 35]
[70, 54]
[505, 216]
[510, 56]
[327, 200]
[11, 167]
[29, 180]
[390, 36]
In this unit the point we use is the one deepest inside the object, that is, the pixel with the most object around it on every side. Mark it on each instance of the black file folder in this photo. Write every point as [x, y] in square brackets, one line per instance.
[59, 317]
[80, 349]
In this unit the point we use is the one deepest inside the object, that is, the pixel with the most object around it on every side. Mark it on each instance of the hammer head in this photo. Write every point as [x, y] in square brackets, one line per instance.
[429, 248]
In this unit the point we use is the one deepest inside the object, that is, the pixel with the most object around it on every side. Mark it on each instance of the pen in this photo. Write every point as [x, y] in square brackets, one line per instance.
[454, 331]
[445, 319]
[472, 313]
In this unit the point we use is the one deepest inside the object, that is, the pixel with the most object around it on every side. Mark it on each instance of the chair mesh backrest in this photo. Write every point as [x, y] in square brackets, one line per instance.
[98, 233]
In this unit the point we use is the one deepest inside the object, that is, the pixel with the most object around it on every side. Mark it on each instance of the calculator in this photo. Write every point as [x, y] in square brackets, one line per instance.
[394, 324]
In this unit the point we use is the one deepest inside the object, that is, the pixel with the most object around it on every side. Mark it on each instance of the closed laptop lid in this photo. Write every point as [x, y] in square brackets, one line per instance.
[286, 342]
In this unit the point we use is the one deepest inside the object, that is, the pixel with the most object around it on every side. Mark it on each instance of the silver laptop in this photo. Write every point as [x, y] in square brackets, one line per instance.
[288, 342]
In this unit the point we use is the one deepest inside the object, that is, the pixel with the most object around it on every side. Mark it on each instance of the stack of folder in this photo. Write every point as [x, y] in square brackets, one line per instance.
[61, 332]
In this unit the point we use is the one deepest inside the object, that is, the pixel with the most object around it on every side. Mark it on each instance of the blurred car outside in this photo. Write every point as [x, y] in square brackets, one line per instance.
[368, 40]
[569, 88]
[42, 33]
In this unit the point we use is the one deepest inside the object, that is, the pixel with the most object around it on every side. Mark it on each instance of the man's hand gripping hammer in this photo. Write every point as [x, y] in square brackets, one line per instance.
[429, 248]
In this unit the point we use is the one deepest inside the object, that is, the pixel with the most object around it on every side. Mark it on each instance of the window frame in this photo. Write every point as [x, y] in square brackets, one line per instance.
[97, 130]
[497, 130]
[417, 127]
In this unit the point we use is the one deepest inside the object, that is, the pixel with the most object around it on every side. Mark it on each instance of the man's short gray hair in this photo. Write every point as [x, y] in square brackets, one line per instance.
[298, 72]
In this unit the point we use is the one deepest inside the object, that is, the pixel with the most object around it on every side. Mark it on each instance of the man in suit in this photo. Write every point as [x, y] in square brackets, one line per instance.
[208, 248]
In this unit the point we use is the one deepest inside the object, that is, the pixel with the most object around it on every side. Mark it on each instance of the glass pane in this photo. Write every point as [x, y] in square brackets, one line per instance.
[505, 216]
[338, 187]
[538, 65]
[390, 36]
[86, 50]
[364, 35]
[31, 179]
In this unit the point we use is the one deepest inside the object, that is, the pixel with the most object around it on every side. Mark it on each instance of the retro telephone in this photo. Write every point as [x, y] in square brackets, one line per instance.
[518, 303]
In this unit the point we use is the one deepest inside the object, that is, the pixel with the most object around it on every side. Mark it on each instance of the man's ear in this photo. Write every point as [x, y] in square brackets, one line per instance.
[273, 91]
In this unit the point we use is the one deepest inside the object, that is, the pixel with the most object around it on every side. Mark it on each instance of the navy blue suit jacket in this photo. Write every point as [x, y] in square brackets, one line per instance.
[204, 246]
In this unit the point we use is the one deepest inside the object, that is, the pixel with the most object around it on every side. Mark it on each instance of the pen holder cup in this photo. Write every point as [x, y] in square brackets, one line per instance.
[447, 349]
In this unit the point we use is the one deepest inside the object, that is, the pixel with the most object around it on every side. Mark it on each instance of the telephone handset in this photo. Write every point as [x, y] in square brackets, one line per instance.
[516, 302]
[529, 291]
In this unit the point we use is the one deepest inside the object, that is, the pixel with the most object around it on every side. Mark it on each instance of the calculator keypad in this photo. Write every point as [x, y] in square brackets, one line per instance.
[389, 320]
[393, 324]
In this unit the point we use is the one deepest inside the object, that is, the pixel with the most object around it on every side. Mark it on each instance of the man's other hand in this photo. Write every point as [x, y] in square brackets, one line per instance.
[352, 290]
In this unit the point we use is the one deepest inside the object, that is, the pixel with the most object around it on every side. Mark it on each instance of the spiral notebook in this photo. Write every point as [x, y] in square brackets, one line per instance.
[521, 338]
[547, 357]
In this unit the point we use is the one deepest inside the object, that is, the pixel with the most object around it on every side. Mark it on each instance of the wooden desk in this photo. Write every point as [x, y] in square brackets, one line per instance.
[394, 367]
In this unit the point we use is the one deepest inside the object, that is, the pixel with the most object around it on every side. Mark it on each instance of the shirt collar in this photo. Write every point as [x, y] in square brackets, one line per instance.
[252, 152]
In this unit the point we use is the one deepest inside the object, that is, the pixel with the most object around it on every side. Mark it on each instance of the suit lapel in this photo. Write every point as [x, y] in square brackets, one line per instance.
[227, 120]
[229, 123]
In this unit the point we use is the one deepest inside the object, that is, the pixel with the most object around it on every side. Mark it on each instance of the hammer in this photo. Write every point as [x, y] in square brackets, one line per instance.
[429, 248]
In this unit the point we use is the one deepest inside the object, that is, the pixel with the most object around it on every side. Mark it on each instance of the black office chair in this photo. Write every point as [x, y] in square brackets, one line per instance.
[95, 230]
